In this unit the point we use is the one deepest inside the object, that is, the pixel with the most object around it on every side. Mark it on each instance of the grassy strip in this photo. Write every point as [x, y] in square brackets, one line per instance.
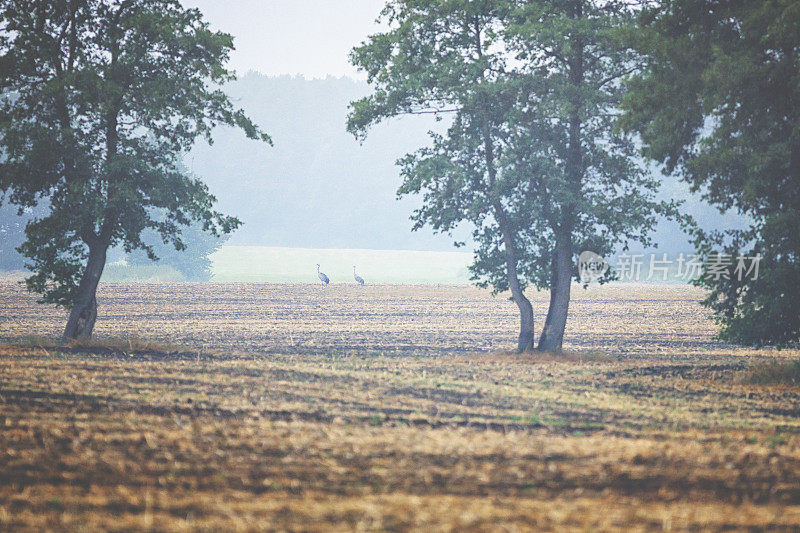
[773, 372]
[127, 346]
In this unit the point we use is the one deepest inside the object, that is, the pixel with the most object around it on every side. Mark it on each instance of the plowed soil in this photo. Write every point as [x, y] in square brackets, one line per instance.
[302, 407]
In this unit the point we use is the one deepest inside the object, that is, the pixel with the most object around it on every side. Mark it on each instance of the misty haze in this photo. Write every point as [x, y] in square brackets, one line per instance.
[399, 265]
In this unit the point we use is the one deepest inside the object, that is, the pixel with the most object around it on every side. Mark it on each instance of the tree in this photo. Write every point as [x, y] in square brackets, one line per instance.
[192, 261]
[531, 158]
[100, 99]
[719, 104]
[439, 58]
[593, 193]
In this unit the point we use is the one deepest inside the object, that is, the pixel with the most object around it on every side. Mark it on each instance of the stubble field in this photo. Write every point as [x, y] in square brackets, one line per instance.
[301, 407]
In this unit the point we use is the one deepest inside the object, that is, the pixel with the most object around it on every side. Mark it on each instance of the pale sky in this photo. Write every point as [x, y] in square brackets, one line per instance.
[308, 37]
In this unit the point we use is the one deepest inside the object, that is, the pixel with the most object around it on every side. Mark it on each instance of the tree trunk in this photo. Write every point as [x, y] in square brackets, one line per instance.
[552, 337]
[526, 327]
[525, 342]
[526, 331]
[556, 322]
[84, 312]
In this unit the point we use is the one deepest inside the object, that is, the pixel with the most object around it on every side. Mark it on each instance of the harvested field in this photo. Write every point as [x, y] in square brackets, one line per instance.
[298, 407]
[389, 319]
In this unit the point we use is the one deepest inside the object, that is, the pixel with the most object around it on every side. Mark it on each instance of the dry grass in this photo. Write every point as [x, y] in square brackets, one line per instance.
[534, 357]
[403, 429]
[122, 346]
[774, 372]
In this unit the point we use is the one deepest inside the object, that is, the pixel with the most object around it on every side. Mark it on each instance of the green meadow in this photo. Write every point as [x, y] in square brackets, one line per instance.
[299, 265]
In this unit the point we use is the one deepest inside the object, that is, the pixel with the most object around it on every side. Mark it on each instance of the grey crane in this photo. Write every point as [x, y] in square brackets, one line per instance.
[356, 277]
[322, 277]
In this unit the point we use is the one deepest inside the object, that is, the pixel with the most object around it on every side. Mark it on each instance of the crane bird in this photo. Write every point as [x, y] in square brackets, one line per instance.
[322, 277]
[356, 277]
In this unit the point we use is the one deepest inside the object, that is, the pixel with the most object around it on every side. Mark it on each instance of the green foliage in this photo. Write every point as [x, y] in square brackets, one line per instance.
[719, 104]
[507, 72]
[441, 58]
[192, 261]
[99, 100]
[586, 186]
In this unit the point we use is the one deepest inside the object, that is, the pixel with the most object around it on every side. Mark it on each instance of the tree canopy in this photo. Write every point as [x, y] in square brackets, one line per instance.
[100, 98]
[192, 261]
[531, 158]
[719, 105]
